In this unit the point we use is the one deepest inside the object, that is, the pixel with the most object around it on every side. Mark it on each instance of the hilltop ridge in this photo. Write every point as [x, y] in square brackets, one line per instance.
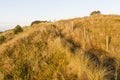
[84, 48]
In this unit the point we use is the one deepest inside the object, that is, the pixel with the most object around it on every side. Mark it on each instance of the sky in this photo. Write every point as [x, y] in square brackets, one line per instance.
[23, 12]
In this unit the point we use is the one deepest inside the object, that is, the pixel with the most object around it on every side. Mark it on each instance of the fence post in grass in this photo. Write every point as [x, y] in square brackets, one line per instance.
[84, 33]
[72, 26]
[108, 40]
[84, 37]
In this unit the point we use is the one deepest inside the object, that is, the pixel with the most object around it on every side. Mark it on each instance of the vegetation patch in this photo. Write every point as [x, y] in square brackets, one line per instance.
[2, 39]
[37, 22]
[17, 29]
[77, 49]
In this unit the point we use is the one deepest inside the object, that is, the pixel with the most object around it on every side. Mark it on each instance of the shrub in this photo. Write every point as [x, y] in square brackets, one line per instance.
[8, 77]
[2, 39]
[17, 29]
[95, 13]
[21, 70]
[37, 22]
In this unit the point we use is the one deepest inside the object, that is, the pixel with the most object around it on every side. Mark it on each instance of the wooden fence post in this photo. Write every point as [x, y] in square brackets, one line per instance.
[72, 26]
[108, 40]
[84, 38]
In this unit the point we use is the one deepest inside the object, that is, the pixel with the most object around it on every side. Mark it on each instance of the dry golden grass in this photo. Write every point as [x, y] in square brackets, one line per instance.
[73, 49]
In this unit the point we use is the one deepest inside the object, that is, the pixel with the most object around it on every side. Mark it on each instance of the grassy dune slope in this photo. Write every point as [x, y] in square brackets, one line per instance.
[73, 49]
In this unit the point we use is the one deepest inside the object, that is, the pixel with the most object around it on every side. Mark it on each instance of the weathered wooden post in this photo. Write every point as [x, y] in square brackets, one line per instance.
[85, 33]
[72, 26]
[84, 38]
[108, 40]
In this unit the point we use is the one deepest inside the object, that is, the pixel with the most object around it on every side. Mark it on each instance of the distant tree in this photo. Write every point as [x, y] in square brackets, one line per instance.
[95, 13]
[37, 22]
[17, 29]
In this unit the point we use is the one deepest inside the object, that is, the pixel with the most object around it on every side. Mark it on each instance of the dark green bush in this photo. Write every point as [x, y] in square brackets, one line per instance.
[95, 13]
[2, 39]
[37, 22]
[22, 70]
[8, 77]
[17, 29]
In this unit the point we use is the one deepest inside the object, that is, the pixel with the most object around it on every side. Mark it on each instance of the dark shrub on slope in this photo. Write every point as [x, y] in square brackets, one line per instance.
[17, 29]
[2, 39]
[37, 22]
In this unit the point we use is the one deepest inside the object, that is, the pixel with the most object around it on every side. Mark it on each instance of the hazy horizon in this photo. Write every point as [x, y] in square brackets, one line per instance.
[23, 12]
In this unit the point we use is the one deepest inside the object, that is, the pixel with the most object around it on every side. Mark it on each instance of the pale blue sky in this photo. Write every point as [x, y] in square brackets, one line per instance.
[23, 12]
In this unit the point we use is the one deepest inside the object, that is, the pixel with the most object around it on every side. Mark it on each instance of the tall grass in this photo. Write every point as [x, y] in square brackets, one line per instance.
[52, 51]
